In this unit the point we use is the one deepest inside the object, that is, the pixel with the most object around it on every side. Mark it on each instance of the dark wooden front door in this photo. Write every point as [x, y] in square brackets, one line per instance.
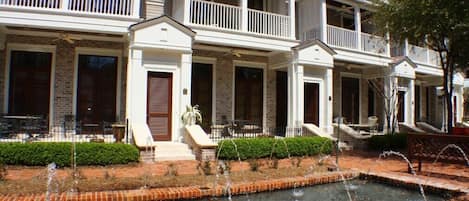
[201, 93]
[29, 86]
[351, 99]
[311, 101]
[401, 106]
[159, 104]
[96, 92]
[417, 103]
[282, 99]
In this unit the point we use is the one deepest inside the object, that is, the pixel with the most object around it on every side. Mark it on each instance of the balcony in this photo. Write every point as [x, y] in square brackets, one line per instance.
[349, 39]
[100, 16]
[418, 54]
[226, 17]
[102, 7]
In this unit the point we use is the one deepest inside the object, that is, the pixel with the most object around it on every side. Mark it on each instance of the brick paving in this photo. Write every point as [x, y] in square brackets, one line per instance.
[440, 175]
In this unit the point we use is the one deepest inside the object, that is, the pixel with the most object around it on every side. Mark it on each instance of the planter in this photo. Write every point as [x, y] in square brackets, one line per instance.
[118, 130]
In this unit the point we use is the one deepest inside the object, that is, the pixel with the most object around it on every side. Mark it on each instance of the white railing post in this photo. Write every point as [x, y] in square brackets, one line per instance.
[244, 15]
[323, 23]
[64, 4]
[358, 27]
[135, 8]
[292, 13]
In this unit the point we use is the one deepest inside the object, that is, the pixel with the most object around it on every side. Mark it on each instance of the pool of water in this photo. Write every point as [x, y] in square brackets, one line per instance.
[360, 190]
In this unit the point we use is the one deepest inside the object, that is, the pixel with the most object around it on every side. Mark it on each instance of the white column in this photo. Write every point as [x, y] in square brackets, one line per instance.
[358, 27]
[187, 10]
[406, 47]
[410, 103]
[299, 95]
[323, 20]
[388, 45]
[291, 100]
[328, 104]
[291, 13]
[135, 8]
[186, 72]
[244, 15]
[136, 92]
[184, 93]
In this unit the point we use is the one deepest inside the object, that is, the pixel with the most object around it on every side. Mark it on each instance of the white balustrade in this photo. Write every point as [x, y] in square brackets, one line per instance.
[268, 23]
[107, 7]
[229, 17]
[418, 54]
[341, 37]
[434, 58]
[32, 3]
[215, 15]
[374, 44]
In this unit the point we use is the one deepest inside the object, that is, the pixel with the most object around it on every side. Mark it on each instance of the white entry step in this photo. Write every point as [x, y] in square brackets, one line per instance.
[173, 151]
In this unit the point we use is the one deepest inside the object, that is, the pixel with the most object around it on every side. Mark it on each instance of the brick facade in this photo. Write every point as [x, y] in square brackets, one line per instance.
[64, 70]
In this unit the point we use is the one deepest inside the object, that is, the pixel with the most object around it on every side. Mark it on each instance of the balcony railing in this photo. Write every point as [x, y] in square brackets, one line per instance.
[228, 17]
[215, 15]
[341, 37]
[418, 54]
[337, 36]
[268, 23]
[106, 7]
[374, 44]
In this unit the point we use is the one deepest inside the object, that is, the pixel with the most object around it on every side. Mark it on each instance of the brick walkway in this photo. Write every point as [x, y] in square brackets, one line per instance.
[453, 176]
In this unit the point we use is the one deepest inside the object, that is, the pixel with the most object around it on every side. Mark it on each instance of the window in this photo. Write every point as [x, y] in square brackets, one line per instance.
[96, 93]
[29, 80]
[249, 94]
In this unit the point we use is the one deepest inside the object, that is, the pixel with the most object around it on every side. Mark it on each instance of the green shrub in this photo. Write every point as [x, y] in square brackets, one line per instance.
[253, 148]
[396, 141]
[43, 153]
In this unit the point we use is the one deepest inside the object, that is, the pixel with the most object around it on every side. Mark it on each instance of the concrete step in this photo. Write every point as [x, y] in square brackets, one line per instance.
[172, 151]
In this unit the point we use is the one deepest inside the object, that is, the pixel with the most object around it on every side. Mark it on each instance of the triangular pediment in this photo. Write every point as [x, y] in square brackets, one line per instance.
[403, 67]
[314, 53]
[162, 33]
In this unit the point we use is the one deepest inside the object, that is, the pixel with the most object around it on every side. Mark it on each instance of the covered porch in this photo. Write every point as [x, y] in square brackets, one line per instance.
[59, 85]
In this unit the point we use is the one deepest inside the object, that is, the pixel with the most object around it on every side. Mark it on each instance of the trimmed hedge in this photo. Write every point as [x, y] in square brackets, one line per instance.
[43, 153]
[396, 141]
[253, 148]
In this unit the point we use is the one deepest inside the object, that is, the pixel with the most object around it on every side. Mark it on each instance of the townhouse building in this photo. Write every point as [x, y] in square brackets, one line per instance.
[272, 64]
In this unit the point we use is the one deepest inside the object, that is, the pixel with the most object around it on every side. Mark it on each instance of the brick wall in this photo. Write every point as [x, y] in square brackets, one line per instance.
[64, 69]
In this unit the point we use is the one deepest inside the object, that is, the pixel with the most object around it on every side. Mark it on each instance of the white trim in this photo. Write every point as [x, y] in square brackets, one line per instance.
[355, 76]
[32, 48]
[213, 62]
[251, 64]
[98, 52]
[321, 97]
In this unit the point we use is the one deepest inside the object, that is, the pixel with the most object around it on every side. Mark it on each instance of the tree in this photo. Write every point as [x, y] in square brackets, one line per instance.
[442, 25]
[391, 100]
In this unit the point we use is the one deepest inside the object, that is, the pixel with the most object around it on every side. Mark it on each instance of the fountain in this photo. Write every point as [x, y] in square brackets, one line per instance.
[389, 153]
[51, 171]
